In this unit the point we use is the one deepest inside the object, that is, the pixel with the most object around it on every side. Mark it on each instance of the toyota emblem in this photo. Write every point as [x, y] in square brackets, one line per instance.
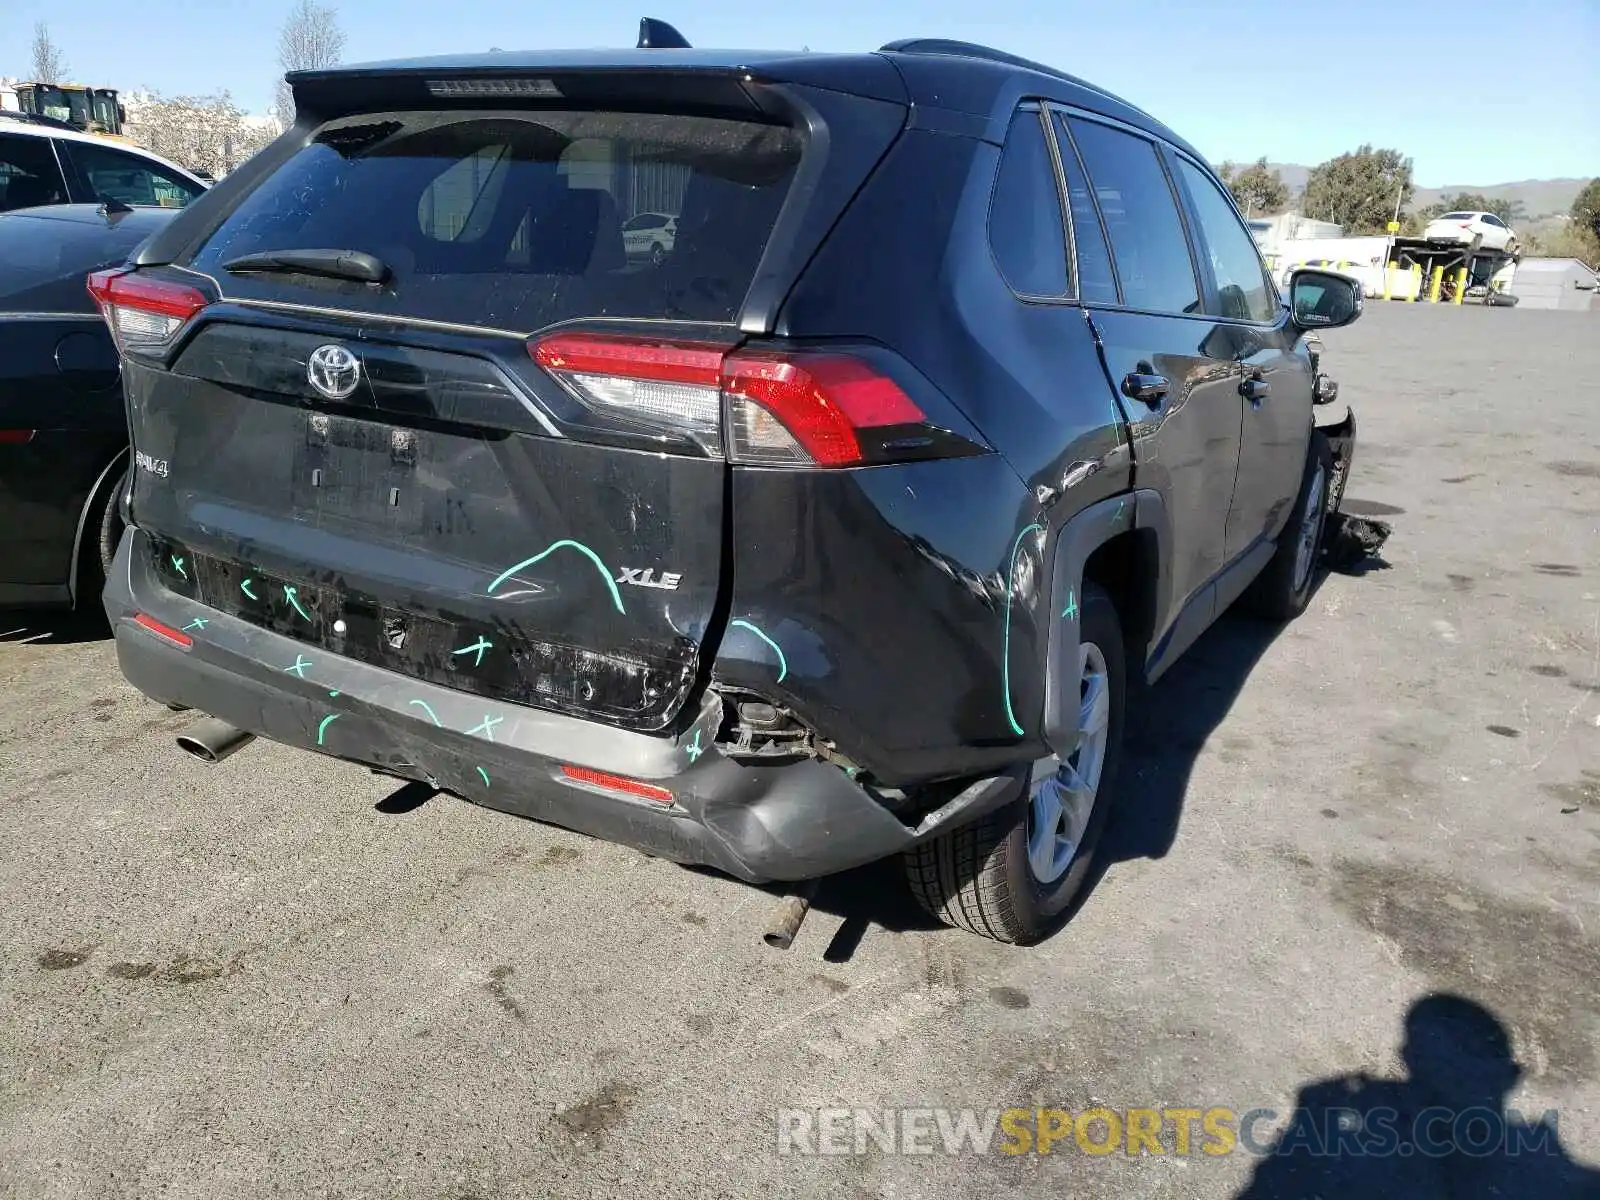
[333, 371]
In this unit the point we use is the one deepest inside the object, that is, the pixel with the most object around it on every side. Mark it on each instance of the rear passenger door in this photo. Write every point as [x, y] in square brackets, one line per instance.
[1275, 390]
[1178, 384]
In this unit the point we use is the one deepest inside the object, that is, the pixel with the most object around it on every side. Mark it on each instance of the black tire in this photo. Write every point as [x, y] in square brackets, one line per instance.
[102, 531]
[658, 254]
[1276, 594]
[978, 877]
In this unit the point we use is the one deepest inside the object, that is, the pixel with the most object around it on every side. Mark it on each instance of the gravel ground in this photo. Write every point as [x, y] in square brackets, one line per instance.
[284, 975]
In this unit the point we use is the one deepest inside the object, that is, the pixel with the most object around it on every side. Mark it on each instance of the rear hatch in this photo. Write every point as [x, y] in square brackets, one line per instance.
[415, 399]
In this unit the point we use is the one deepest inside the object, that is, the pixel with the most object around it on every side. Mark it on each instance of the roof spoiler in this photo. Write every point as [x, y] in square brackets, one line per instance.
[658, 35]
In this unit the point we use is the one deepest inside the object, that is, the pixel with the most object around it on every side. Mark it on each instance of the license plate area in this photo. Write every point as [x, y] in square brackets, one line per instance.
[358, 473]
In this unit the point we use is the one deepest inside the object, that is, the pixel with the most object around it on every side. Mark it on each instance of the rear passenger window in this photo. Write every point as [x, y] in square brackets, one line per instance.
[1243, 290]
[1025, 231]
[1147, 240]
[29, 175]
[1096, 282]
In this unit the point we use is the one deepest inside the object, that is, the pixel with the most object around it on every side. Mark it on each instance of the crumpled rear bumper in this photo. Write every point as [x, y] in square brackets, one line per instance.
[796, 821]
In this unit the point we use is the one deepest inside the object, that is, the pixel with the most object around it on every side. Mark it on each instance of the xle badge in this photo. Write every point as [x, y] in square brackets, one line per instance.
[646, 577]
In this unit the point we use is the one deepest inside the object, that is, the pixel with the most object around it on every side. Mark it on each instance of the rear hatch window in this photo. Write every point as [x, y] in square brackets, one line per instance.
[518, 220]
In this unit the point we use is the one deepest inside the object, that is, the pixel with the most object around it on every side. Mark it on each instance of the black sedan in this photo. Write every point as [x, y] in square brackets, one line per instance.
[63, 432]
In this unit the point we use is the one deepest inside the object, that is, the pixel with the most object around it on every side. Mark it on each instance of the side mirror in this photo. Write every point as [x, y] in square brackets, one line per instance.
[1323, 299]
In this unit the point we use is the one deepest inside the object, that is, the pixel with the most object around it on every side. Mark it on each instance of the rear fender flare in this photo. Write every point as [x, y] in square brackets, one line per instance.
[102, 481]
[1079, 538]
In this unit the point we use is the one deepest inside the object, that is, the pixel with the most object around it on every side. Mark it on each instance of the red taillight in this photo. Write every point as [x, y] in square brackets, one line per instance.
[793, 408]
[607, 782]
[819, 401]
[166, 631]
[15, 437]
[143, 313]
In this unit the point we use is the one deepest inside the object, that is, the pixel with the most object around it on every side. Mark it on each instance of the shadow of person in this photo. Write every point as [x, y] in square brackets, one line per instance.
[1441, 1132]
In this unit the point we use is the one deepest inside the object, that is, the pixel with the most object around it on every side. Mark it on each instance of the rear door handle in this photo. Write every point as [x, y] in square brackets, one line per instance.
[1152, 389]
[1255, 390]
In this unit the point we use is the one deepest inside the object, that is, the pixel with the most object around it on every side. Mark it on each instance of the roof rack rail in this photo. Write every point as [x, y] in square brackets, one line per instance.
[989, 54]
[33, 119]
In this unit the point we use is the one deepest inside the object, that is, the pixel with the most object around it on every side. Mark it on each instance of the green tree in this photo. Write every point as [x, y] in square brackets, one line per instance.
[1256, 189]
[1586, 208]
[1359, 190]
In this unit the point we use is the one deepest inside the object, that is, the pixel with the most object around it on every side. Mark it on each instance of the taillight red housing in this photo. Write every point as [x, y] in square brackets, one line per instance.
[776, 407]
[144, 313]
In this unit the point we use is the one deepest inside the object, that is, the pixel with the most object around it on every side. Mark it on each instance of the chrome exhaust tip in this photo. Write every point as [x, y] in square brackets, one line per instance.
[211, 740]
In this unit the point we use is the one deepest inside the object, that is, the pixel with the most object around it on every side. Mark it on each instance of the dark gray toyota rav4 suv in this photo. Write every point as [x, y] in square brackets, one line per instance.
[835, 531]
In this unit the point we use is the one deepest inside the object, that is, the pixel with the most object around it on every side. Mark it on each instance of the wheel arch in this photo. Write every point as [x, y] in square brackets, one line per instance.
[1123, 544]
[107, 476]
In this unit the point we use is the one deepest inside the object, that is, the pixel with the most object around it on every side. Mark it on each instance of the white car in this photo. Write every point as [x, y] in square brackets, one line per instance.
[48, 162]
[1464, 226]
[649, 235]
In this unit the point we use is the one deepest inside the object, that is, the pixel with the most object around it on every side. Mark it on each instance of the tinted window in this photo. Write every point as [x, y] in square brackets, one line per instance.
[113, 175]
[1096, 281]
[43, 261]
[515, 220]
[1491, 219]
[1244, 292]
[1025, 231]
[29, 174]
[1456, 217]
[1152, 257]
[647, 221]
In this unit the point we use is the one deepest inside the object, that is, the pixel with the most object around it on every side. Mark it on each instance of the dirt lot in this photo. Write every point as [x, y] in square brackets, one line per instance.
[282, 975]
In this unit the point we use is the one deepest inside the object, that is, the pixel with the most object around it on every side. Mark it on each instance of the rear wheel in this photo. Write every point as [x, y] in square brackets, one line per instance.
[1012, 874]
[1283, 589]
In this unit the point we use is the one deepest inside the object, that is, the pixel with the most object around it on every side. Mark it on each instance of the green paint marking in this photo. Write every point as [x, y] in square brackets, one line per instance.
[299, 667]
[480, 646]
[564, 543]
[783, 663]
[197, 623]
[294, 599]
[693, 749]
[245, 588]
[427, 708]
[1005, 668]
[1071, 610]
[323, 728]
[331, 695]
[487, 725]
[177, 564]
[485, 775]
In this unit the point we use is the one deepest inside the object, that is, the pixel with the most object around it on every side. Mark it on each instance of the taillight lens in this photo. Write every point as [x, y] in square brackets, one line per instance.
[799, 408]
[143, 313]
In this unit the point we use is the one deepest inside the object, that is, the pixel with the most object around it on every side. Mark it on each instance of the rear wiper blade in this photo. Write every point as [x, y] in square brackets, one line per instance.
[334, 264]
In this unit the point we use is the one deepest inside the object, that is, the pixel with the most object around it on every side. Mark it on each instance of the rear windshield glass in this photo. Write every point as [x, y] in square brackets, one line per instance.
[43, 262]
[1457, 217]
[515, 220]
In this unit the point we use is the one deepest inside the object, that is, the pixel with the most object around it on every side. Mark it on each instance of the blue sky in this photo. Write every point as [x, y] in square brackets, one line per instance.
[1297, 82]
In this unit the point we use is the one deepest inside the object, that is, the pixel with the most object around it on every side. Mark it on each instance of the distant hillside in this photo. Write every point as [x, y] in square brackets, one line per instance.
[1539, 197]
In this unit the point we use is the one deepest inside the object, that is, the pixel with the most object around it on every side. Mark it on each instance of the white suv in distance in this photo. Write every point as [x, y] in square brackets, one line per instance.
[48, 162]
[649, 235]
[1465, 226]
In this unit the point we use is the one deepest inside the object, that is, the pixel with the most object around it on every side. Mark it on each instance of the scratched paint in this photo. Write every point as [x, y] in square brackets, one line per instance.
[563, 544]
[486, 726]
[1005, 668]
[783, 662]
[427, 708]
[480, 646]
[322, 729]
